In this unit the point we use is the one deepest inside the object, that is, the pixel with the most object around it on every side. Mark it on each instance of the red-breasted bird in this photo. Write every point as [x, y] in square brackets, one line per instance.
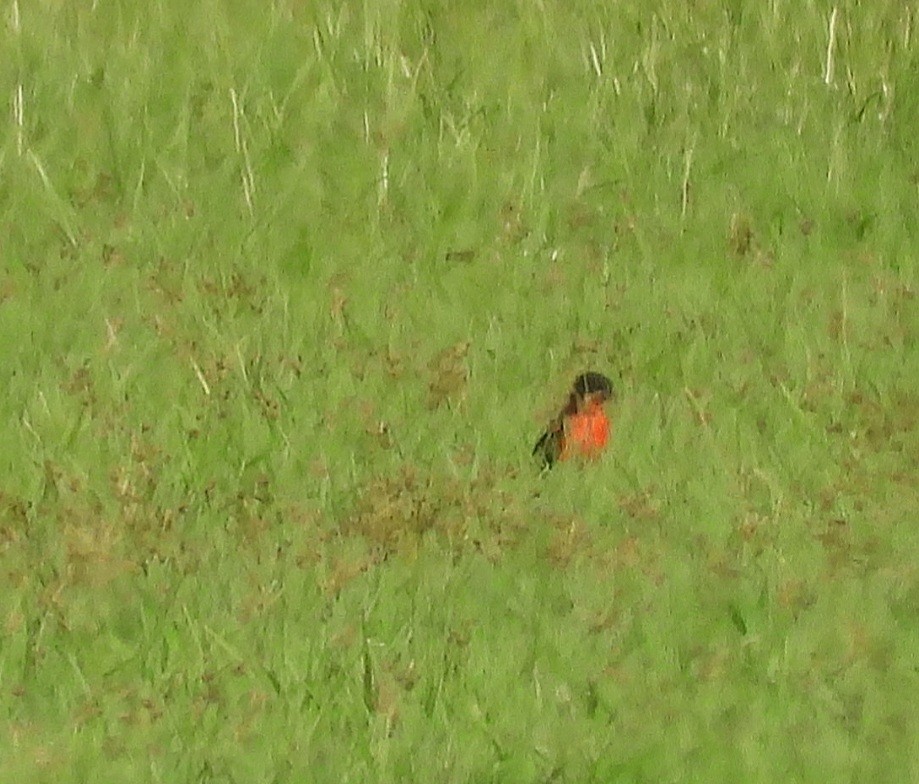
[581, 427]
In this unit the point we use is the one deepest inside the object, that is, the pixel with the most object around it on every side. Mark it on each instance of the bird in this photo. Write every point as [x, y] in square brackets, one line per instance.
[582, 427]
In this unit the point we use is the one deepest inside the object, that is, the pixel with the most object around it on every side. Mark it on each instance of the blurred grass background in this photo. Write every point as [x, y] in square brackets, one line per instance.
[289, 289]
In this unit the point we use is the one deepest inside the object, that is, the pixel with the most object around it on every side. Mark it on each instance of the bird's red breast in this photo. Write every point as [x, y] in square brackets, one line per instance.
[585, 433]
[582, 428]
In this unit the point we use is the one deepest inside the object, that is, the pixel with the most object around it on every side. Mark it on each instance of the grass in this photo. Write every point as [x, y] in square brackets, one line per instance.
[288, 290]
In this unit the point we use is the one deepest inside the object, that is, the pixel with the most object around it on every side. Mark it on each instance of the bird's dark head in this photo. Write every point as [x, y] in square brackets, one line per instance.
[593, 385]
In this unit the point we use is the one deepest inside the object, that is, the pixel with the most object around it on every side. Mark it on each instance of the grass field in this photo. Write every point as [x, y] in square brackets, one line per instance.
[289, 289]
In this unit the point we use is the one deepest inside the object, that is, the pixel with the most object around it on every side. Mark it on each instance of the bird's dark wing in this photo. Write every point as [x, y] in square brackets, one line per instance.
[550, 444]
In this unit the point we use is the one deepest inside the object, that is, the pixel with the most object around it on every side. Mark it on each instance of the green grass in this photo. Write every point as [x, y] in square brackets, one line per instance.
[288, 291]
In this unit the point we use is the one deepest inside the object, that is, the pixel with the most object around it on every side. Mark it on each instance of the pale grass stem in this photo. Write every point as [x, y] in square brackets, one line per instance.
[201, 379]
[835, 155]
[830, 48]
[649, 58]
[700, 413]
[384, 179]
[222, 642]
[242, 364]
[112, 331]
[28, 426]
[46, 181]
[81, 677]
[844, 327]
[18, 112]
[248, 179]
[684, 188]
[18, 117]
[595, 61]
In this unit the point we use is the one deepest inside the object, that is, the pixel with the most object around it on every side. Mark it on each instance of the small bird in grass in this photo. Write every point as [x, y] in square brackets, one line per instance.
[582, 427]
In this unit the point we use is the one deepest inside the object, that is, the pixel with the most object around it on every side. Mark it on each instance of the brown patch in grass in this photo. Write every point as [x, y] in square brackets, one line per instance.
[387, 698]
[698, 401]
[740, 235]
[8, 289]
[393, 510]
[864, 645]
[396, 512]
[642, 506]
[631, 554]
[885, 427]
[344, 569]
[14, 516]
[836, 538]
[449, 372]
[628, 553]
[794, 595]
[742, 241]
[711, 664]
[570, 539]
[374, 426]
[94, 553]
[513, 228]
